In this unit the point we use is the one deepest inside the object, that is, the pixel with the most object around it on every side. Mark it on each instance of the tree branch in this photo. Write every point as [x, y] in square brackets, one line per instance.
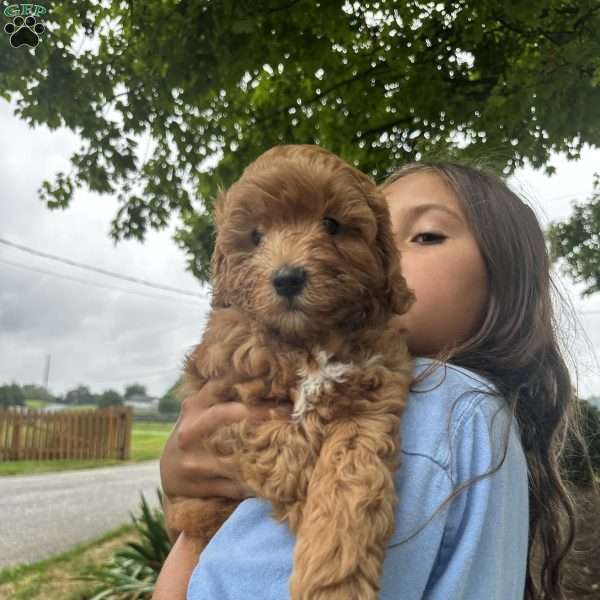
[381, 128]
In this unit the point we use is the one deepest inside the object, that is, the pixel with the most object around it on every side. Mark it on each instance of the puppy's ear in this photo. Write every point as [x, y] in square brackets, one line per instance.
[218, 262]
[396, 293]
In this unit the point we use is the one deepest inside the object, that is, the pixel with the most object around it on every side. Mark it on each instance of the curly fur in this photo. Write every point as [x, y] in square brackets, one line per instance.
[335, 351]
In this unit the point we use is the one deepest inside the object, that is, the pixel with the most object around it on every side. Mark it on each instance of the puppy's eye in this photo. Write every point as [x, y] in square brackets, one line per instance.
[256, 237]
[331, 225]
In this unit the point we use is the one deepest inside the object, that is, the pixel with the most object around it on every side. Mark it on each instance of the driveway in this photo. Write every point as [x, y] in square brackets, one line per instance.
[45, 515]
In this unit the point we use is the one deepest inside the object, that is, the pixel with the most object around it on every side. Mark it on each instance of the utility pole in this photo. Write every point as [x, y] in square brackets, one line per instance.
[47, 371]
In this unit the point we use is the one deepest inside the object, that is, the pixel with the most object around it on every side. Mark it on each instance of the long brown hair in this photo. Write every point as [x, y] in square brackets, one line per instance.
[517, 349]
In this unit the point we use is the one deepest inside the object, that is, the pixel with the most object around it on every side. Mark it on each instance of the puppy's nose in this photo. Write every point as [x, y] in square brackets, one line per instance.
[289, 281]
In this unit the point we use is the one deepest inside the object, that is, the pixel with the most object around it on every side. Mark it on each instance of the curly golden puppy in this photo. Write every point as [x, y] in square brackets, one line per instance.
[306, 284]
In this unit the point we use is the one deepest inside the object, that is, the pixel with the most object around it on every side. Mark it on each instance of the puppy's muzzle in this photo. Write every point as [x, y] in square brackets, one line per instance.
[289, 281]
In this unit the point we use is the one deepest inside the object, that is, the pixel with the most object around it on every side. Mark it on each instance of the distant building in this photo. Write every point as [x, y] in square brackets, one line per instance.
[141, 402]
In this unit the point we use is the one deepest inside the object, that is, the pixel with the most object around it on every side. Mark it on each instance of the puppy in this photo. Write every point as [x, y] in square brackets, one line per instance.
[307, 289]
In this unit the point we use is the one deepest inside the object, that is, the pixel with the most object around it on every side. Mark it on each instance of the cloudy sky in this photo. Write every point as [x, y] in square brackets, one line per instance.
[107, 333]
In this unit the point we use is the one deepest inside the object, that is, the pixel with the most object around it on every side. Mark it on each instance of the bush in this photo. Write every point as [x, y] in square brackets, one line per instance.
[132, 572]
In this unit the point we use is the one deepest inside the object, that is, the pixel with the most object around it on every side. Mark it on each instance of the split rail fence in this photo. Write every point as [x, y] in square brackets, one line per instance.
[27, 434]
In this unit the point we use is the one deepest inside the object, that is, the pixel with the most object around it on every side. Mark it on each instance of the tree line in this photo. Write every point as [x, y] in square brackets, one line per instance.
[13, 394]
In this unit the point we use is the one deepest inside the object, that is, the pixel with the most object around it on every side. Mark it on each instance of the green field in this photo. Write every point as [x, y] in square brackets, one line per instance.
[37, 404]
[147, 442]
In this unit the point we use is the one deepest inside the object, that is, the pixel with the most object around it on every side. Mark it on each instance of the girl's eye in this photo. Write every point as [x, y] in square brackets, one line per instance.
[429, 237]
[331, 225]
[256, 236]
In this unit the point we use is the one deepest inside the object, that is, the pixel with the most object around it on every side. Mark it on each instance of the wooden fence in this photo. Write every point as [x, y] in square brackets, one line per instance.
[27, 434]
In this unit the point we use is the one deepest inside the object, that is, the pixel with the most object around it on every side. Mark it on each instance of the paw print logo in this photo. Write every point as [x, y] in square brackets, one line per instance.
[24, 31]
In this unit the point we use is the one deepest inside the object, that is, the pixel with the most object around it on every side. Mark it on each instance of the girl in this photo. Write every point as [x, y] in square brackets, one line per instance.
[480, 494]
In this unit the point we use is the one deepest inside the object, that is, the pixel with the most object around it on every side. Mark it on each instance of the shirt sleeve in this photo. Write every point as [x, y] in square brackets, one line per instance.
[476, 546]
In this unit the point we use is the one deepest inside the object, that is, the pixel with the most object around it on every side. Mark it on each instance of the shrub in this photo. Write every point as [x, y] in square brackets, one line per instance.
[132, 572]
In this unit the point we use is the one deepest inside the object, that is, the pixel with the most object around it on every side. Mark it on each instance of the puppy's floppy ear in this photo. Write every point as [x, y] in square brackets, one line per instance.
[396, 293]
[218, 262]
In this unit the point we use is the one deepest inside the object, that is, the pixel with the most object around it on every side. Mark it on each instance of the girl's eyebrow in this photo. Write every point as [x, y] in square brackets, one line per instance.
[419, 209]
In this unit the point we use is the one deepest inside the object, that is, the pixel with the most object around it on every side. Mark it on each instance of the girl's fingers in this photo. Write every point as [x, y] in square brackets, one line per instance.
[218, 486]
[228, 488]
[187, 466]
[196, 473]
[192, 430]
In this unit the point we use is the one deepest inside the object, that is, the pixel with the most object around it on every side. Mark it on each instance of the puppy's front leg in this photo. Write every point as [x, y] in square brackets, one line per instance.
[275, 458]
[348, 516]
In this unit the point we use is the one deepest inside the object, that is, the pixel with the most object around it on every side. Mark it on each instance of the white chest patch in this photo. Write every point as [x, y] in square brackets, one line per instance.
[313, 383]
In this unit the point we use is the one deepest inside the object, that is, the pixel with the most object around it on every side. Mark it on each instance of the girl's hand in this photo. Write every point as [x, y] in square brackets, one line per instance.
[186, 467]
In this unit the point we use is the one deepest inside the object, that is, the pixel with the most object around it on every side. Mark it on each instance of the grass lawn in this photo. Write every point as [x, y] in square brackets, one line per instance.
[83, 407]
[36, 404]
[52, 579]
[147, 442]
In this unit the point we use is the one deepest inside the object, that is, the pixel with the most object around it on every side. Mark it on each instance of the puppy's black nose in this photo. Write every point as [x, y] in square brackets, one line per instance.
[289, 281]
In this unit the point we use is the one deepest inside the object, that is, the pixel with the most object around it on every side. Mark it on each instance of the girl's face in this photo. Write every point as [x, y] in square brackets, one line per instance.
[440, 261]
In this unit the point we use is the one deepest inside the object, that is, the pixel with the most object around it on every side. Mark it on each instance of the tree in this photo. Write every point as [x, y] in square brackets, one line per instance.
[110, 398]
[576, 241]
[170, 403]
[11, 395]
[213, 84]
[37, 392]
[135, 389]
[80, 395]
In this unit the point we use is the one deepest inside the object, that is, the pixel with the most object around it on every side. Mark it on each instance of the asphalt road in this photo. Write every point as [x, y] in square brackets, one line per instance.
[44, 515]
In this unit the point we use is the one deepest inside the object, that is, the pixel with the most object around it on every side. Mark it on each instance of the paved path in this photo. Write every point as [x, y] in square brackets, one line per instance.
[44, 515]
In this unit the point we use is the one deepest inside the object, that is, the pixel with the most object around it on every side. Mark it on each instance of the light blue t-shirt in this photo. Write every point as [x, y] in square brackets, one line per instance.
[474, 548]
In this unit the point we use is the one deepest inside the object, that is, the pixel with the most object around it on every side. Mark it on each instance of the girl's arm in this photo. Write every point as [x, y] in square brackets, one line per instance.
[188, 469]
[173, 579]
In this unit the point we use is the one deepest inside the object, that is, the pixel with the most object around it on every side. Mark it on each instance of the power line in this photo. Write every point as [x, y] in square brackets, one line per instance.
[161, 373]
[102, 271]
[95, 284]
[118, 276]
